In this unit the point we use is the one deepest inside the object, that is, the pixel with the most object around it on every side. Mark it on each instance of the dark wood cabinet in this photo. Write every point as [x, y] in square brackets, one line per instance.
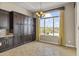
[21, 26]
[34, 29]
[24, 28]
[4, 19]
[6, 43]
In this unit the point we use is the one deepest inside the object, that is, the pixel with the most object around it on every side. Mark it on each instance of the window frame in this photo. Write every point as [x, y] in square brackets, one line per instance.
[52, 19]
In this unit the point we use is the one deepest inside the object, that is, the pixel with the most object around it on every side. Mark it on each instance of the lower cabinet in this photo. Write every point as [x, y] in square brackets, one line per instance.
[6, 43]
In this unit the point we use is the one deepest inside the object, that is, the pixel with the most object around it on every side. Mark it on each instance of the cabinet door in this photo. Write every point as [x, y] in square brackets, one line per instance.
[4, 20]
[6, 43]
[10, 42]
[25, 29]
[30, 28]
[18, 26]
[2, 44]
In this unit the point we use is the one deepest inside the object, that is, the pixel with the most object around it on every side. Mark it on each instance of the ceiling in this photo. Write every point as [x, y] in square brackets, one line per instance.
[34, 6]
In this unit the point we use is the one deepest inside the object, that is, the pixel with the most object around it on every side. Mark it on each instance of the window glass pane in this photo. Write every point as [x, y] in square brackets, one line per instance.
[56, 26]
[49, 26]
[55, 13]
[41, 26]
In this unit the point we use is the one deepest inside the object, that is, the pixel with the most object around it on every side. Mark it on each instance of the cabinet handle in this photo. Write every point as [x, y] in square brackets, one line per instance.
[0, 43]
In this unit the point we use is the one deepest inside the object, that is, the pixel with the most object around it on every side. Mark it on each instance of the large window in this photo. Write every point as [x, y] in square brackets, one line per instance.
[49, 24]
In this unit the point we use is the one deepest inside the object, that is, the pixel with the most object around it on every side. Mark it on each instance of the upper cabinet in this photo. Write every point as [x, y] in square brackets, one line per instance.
[4, 19]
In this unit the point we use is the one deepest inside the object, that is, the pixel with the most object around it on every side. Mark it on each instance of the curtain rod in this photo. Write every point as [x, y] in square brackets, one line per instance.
[60, 8]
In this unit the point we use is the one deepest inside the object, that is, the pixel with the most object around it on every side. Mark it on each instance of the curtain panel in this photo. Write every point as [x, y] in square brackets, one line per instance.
[61, 30]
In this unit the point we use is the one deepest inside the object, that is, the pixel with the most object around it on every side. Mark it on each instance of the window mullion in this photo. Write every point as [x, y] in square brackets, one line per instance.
[53, 26]
[44, 26]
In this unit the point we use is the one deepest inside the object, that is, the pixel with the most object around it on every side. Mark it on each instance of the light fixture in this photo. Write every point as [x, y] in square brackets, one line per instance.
[40, 13]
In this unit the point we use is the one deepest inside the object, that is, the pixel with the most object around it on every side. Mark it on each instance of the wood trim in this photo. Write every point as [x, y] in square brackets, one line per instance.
[4, 10]
[34, 30]
[11, 22]
[19, 13]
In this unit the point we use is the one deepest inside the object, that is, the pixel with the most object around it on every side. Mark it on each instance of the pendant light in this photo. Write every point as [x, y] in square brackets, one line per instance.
[40, 12]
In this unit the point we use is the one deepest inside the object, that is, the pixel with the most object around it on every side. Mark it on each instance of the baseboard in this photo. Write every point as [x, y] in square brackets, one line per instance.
[47, 42]
[57, 44]
[70, 46]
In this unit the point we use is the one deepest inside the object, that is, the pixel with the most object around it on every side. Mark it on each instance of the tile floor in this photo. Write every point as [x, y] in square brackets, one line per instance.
[39, 49]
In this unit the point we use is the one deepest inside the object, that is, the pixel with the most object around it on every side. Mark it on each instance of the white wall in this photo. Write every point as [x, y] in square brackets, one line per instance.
[13, 7]
[77, 29]
[69, 25]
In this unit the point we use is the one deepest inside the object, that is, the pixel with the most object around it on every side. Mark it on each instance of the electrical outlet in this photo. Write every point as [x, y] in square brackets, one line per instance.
[69, 42]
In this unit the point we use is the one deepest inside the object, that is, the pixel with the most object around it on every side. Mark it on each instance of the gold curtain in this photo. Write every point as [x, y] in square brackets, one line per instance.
[37, 28]
[61, 31]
